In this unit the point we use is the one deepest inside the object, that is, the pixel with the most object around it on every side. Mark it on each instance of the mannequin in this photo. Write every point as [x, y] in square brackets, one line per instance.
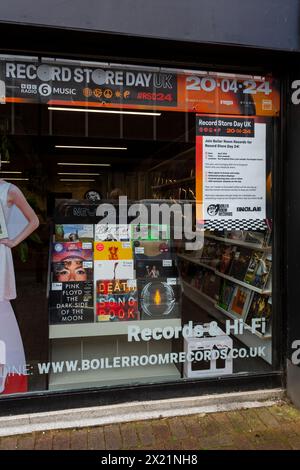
[13, 378]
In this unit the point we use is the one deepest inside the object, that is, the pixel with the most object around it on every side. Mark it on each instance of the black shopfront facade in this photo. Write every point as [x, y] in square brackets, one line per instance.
[79, 347]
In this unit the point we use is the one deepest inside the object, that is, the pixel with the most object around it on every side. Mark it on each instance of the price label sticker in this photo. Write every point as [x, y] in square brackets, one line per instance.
[87, 264]
[126, 245]
[167, 262]
[87, 245]
[131, 283]
[139, 250]
[56, 286]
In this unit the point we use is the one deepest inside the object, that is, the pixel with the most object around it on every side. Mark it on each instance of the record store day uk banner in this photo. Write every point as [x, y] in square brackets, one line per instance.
[231, 172]
[74, 83]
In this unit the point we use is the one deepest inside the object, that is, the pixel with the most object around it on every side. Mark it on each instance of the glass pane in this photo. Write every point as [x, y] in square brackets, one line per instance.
[152, 261]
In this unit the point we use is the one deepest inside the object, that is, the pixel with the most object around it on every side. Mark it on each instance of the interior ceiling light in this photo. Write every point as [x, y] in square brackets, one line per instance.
[84, 164]
[71, 179]
[79, 174]
[88, 147]
[12, 172]
[106, 111]
[17, 179]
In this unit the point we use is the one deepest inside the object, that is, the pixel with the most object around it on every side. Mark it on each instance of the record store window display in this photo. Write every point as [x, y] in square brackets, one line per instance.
[105, 300]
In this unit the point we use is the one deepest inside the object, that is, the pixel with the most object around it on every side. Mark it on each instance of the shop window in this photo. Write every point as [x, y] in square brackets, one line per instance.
[104, 298]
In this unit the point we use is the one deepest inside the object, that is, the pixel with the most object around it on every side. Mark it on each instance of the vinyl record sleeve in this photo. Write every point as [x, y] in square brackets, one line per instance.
[71, 302]
[159, 299]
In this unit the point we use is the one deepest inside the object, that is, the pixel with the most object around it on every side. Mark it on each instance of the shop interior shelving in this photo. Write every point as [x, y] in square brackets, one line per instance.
[209, 304]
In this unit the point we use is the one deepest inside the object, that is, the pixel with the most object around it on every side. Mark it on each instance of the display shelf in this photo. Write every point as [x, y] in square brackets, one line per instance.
[243, 284]
[225, 276]
[106, 328]
[230, 241]
[75, 350]
[110, 377]
[196, 290]
[195, 261]
[174, 183]
[247, 337]
[234, 317]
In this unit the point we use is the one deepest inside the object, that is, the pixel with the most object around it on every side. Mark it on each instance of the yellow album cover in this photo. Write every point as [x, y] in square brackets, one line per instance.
[113, 251]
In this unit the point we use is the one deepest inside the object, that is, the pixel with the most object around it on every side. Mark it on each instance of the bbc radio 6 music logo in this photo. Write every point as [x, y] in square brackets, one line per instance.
[45, 90]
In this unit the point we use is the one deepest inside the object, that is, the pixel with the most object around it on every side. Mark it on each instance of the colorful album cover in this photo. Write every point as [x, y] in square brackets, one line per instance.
[226, 293]
[120, 269]
[71, 262]
[261, 307]
[112, 232]
[240, 301]
[159, 299]
[258, 270]
[80, 250]
[155, 269]
[112, 251]
[72, 270]
[74, 233]
[71, 302]
[240, 263]
[146, 249]
[116, 300]
[150, 232]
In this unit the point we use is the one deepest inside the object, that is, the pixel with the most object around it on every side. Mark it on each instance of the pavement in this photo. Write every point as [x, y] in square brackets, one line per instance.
[274, 427]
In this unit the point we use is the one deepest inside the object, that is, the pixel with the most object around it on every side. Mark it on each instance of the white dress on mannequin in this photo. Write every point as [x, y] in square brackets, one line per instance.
[12, 358]
[7, 272]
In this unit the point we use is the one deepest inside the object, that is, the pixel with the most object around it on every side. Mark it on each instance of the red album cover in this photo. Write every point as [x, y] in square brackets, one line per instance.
[116, 300]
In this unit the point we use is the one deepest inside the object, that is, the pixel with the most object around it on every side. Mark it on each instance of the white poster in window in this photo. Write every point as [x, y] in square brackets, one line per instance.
[231, 168]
